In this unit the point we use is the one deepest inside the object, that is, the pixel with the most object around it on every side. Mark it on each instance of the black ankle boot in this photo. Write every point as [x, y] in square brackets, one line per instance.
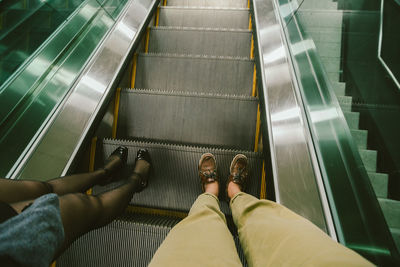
[143, 154]
[122, 153]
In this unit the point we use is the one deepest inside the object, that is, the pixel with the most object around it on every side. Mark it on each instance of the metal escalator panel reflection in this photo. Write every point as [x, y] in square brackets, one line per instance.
[42, 54]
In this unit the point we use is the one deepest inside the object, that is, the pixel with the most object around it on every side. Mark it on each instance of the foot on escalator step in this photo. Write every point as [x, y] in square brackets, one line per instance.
[114, 164]
[142, 169]
[239, 172]
[208, 170]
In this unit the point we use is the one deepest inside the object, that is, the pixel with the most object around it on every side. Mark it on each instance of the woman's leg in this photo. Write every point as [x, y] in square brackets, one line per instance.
[81, 213]
[12, 191]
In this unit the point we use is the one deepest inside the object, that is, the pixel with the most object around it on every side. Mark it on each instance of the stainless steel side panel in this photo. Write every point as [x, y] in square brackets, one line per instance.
[297, 179]
[56, 148]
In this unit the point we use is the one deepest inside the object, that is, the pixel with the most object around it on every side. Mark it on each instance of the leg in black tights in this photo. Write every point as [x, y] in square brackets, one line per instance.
[81, 213]
[12, 191]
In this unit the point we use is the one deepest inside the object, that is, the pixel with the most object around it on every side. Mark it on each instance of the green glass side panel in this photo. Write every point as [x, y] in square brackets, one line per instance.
[32, 94]
[318, 34]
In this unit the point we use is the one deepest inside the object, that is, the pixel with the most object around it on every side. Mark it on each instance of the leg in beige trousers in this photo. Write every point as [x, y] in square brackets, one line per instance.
[272, 235]
[201, 239]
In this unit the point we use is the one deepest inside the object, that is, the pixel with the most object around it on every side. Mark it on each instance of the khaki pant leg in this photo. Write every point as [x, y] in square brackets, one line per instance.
[201, 239]
[272, 235]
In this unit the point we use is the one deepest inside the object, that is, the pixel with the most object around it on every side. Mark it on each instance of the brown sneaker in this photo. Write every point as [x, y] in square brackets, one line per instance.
[207, 169]
[239, 173]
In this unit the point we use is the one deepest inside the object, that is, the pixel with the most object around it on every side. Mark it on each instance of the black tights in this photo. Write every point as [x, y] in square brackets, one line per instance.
[80, 213]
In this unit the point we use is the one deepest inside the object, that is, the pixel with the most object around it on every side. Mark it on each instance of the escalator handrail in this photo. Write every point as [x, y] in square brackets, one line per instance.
[376, 242]
[74, 120]
[296, 174]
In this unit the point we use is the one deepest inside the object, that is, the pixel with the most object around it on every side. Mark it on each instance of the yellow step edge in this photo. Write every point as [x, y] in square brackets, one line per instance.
[146, 48]
[250, 24]
[263, 191]
[248, 3]
[254, 90]
[157, 17]
[165, 3]
[252, 47]
[257, 130]
[151, 211]
[116, 110]
[134, 66]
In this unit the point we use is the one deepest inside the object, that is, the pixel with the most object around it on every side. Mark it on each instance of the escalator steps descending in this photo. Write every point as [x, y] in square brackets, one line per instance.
[175, 184]
[200, 41]
[204, 17]
[129, 241]
[208, 3]
[205, 119]
[203, 74]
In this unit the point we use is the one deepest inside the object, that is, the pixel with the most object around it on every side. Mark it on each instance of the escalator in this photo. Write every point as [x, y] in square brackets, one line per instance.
[192, 90]
[184, 77]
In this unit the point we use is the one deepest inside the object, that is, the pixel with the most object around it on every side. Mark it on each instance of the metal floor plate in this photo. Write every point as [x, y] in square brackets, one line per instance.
[203, 74]
[174, 184]
[204, 17]
[209, 3]
[205, 119]
[200, 41]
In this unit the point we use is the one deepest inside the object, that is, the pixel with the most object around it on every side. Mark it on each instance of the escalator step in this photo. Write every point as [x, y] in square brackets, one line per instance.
[128, 241]
[339, 88]
[360, 137]
[396, 236]
[204, 17]
[369, 159]
[200, 41]
[379, 182]
[345, 103]
[174, 184]
[203, 74]
[352, 119]
[208, 3]
[205, 119]
[391, 210]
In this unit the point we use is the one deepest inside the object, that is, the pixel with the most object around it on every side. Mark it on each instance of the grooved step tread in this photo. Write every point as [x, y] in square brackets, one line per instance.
[369, 159]
[128, 241]
[345, 103]
[352, 119]
[208, 3]
[361, 137]
[175, 183]
[205, 119]
[205, 74]
[391, 210]
[233, 18]
[200, 41]
[379, 182]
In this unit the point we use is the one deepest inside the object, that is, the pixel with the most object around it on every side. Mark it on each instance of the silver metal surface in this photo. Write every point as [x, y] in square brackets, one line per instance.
[207, 74]
[205, 119]
[199, 41]
[56, 148]
[204, 17]
[294, 166]
[208, 3]
[175, 180]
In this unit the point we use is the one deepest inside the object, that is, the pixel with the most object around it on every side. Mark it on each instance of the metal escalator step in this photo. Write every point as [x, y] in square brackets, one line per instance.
[345, 103]
[352, 119]
[396, 236]
[391, 211]
[204, 17]
[208, 3]
[369, 159]
[360, 137]
[331, 64]
[174, 183]
[379, 182]
[206, 119]
[204, 74]
[128, 241]
[339, 88]
[320, 5]
[200, 41]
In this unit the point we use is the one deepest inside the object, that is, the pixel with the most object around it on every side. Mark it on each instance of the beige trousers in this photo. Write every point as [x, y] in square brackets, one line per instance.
[270, 235]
